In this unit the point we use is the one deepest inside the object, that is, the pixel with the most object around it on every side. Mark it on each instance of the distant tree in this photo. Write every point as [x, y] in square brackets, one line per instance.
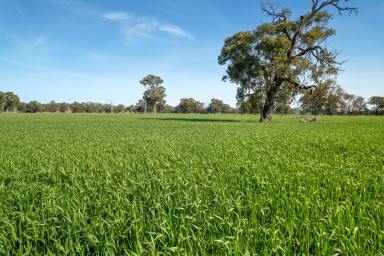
[347, 103]
[353, 104]
[132, 109]
[119, 108]
[335, 102]
[154, 96]
[91, 107]
[189, 105]
[2, 101]
[65, 108]
[314, 101]
[359, 106]
[218, 107]
[107, 108]
[286, 55]
[8, 101]
[249, 103]
[141, 106]
[12, 101]
[246, 107]
[377, 104]
[34, 107]
[283, 101]
[77, 107]
[154, 99]
[167, 109]
[52, 107]
[331, 99]
[22, 107]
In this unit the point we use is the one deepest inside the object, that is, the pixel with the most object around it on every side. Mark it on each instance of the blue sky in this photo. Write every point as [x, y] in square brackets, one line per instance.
[98, 50]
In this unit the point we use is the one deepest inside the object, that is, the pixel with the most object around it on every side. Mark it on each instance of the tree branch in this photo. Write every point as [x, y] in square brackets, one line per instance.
[296, 84]
[309, 49]
[335, 3]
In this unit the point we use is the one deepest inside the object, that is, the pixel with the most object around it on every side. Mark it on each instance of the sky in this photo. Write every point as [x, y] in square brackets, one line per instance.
[99, 50]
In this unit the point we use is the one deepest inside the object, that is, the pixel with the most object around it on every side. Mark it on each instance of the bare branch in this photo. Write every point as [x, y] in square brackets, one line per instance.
[297, 85]
[271, 9]
[335, 3]
[309, 49]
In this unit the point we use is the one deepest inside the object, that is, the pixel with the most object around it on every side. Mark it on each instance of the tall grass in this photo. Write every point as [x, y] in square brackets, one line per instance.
[190, 184]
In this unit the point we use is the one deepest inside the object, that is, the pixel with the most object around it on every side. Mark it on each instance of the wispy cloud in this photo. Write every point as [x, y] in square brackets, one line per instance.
[133, 26]
[175, 30]
[117, 16]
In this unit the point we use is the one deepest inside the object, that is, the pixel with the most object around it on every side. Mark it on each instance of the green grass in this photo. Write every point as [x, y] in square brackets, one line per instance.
[190, 185]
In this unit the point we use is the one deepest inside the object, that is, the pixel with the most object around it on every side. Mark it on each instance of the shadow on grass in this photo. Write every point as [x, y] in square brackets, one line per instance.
[205, 120]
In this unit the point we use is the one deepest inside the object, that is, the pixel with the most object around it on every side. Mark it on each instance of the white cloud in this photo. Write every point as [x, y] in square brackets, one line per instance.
[148, 27]
[117, 16]
[175, 30]
[133, 26]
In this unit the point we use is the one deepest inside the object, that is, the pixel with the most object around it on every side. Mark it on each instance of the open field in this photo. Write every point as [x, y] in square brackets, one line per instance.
[190, 184]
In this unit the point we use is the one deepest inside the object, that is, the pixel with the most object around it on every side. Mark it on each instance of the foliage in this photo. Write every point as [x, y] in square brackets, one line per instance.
[167, 109]
[102, 184]
[154, 96]
[189, 105]
[8, 101]
[332, 100]
[218, 107]
[283, 57]
[322, 100]
[378, 104]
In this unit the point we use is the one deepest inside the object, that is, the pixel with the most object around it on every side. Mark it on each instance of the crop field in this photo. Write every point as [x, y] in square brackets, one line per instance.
[100, 184]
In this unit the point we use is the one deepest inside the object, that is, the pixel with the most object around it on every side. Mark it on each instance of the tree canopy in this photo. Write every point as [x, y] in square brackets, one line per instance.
[218, 107]
[189, 105]
[151, 81]
[154, 96]
[283, 57]
[8, 101]
[332, 100]
[378, 104]
[322, 100]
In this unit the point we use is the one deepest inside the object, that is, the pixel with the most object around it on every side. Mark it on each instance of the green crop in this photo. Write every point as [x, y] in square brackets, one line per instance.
[190, 185]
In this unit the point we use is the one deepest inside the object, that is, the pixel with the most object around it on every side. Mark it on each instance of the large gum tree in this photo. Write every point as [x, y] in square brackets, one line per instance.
[285, 56]
[154, 96]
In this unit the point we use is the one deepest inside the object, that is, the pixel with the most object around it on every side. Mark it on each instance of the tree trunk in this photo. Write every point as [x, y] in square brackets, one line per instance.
[266, 112]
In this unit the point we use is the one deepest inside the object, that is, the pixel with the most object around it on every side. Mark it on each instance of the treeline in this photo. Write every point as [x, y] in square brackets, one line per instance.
[323, 100]
[330, 101]
[10, 102]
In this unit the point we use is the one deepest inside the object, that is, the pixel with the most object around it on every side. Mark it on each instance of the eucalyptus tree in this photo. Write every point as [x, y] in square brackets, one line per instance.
[2, 101]
[189, 105]
[218, 107]
[359, 106]
[52, 107]
[377, 103]
[154, 96]
[285, 56]
[9, 101]
[34, 107]
[314, 101]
